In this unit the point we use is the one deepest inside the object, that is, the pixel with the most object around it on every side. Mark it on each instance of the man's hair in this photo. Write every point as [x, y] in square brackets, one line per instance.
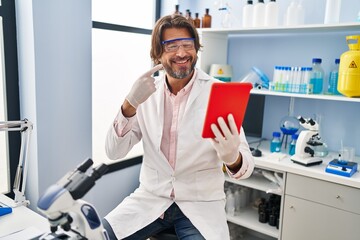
[170, 21]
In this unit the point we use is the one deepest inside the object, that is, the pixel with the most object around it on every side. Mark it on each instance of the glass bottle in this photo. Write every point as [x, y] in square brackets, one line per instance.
[177, 12]
[317, 76]
[292, 145]
[197, 20]
[333, 79]
[206, 20]
[275, 145]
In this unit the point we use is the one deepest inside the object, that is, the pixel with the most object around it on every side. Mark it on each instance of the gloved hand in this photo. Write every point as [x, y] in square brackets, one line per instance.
[226, 143]
[143, 87]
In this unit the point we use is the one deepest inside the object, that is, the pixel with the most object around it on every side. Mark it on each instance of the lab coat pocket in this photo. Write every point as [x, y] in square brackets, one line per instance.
[210, 184]
[149, 177]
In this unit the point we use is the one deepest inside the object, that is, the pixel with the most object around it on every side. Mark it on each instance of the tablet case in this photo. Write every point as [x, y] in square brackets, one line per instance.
[226, 98]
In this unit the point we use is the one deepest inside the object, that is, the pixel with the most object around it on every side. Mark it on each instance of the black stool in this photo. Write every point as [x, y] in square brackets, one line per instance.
[167, 234]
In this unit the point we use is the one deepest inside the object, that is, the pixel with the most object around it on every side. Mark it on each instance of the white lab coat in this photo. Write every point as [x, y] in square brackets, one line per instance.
[198, 179]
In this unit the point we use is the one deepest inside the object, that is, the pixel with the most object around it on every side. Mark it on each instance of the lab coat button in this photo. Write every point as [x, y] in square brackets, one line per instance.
[173, 179]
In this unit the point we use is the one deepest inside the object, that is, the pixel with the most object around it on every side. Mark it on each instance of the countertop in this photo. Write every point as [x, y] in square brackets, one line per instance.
[271, 161]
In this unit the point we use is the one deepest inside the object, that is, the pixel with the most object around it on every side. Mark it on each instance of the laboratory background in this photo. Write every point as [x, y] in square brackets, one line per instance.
[76, 61]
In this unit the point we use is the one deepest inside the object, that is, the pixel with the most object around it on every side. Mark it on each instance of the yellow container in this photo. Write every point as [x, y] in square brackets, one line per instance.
[349, 69]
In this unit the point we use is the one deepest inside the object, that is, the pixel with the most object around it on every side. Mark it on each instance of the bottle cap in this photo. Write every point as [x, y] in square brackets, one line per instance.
[316, 60]
[337, 61]
[276, 134]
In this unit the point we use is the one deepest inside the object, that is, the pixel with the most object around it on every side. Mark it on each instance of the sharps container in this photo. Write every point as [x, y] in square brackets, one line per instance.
[349, 69]
[257, 78]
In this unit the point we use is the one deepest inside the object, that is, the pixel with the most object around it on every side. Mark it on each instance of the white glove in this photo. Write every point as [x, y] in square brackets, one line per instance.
[226, 143]
[143, 87]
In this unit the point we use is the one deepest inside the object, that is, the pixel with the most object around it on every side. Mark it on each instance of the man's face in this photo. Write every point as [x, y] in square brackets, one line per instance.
[179, 56]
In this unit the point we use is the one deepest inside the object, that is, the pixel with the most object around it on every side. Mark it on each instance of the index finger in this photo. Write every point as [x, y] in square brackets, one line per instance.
[153, 70]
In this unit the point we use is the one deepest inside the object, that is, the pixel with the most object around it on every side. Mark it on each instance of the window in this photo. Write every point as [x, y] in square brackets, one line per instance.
[9, 95]
[121, 41]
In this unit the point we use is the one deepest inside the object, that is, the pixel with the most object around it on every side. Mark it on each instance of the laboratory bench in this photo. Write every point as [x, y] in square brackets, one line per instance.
[314, 204]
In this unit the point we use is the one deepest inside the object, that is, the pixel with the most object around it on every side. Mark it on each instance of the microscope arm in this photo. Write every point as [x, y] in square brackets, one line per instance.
[24, 127]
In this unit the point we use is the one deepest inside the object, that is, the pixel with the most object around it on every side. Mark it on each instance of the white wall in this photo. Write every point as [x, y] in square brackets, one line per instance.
[54, 49]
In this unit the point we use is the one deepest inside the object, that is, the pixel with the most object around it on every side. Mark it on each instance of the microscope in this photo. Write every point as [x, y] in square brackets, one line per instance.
[62, 205]
[307, 144]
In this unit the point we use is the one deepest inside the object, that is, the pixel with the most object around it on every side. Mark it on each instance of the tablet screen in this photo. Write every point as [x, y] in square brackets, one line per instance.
[226, 98]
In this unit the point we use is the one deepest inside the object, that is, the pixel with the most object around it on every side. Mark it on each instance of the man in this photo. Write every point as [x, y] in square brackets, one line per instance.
[181, 178]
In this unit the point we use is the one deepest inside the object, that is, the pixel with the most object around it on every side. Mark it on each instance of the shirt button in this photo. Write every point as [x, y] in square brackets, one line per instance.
[173, 179]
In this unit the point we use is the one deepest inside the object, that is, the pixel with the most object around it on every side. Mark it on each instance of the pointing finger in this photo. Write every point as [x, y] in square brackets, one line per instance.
[153, 70]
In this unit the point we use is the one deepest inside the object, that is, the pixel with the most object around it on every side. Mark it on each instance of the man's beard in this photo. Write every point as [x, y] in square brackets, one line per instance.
[182, 72]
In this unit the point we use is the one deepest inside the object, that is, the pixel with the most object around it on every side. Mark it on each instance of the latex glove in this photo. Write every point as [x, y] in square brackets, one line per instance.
[226, 143]
[143, 87]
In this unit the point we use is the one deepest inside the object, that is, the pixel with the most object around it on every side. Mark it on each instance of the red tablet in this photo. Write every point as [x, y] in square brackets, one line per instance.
[226, 98]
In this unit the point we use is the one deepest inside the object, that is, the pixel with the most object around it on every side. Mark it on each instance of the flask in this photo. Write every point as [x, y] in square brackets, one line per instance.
[292, 146]
[271, 13]
[317, 76]
[197, 20]
[230, 203]
[275, 145]
[206, 20]
[333, 78]
[259, 14]
[248, 11]
[332, 11]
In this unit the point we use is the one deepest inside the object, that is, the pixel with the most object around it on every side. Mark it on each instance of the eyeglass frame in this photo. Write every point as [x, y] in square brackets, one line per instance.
[177, 39]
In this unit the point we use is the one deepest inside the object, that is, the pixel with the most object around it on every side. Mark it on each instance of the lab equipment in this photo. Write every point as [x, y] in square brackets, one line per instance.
[24, 127]
[230, 202]
[5, 209]
[259, 14]
[247, 14]
[222, 72]
[271, 13]
[275, 144]
[349, 69]
[206, 19]
[341, 167]
[307, 143]
[332, 11]
[289, 125]
[317, 76]
[62, 205]
[292, 144]
[257, 78]
[291, 79]
[333, 79]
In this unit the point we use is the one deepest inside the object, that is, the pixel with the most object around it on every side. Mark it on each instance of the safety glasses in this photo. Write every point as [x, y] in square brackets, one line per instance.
[173, 45]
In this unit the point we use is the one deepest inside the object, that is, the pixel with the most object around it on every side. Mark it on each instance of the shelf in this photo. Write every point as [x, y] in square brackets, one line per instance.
[248, 218]
[256, 181]
[309, 96]
[308, 28]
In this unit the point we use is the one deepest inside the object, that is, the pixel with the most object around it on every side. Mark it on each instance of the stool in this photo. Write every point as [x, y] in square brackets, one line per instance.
[167, 234]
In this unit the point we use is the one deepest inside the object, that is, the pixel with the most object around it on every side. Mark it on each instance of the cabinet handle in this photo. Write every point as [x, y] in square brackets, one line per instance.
[338, 197]
[291, 207]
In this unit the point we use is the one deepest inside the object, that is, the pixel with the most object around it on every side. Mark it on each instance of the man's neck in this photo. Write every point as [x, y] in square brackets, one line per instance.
[175, 85]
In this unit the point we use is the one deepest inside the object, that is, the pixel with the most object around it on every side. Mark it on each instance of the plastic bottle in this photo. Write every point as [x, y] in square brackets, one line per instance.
[248, 12]
[317, 76]
[332, 11]
[271, 13]
[291, 17]
[259, 14]
[333, 79]
[206, 20]
[197, 21]
[237, 196]
[300, 13]
[292, 144]
[230, 203]
[275, 145]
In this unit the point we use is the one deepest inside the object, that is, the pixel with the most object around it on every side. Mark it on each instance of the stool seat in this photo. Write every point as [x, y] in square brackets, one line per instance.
[167, 234]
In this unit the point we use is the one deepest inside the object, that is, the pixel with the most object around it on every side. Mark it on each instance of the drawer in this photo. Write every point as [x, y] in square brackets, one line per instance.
[327, 193]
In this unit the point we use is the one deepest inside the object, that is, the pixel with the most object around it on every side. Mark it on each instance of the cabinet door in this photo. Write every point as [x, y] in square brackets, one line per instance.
[308, 220]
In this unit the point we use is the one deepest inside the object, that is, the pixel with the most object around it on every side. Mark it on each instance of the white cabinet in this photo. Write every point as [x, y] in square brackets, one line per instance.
[248, 217]
[316, 209]
[304, 217]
